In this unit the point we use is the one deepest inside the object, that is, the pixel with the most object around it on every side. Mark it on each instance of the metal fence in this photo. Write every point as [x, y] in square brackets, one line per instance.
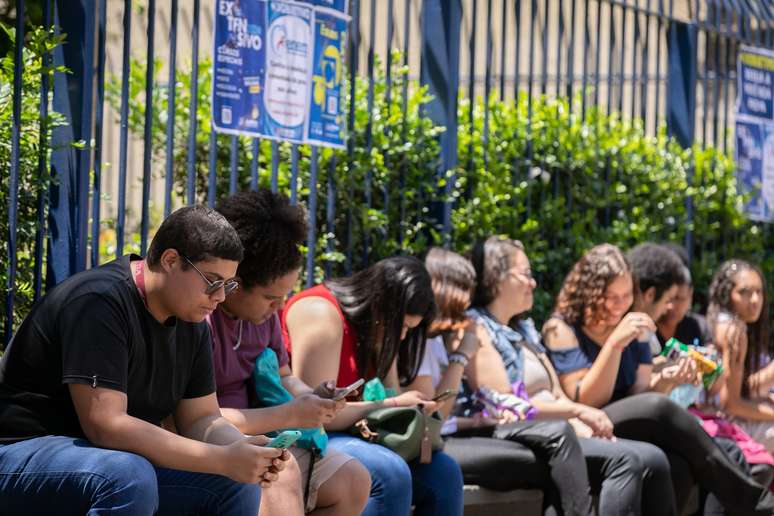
[666, 62]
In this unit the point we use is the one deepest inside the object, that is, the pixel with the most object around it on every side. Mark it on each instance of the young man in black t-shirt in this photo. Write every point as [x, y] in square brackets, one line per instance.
[102, 360]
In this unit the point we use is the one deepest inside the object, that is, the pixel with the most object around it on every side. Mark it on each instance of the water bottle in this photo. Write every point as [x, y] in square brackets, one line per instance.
[686, 394]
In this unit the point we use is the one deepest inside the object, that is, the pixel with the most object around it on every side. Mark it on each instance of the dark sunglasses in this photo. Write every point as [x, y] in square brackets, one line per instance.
[212, 286]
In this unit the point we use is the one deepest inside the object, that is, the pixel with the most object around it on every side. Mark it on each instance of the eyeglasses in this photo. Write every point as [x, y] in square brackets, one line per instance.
[526, 273]
[212, 286]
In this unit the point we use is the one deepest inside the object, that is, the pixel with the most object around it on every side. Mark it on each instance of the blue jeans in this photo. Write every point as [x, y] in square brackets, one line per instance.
[70, 476]
[436, 487]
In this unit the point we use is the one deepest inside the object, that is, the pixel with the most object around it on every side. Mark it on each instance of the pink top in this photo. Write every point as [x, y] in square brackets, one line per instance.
[234, 367]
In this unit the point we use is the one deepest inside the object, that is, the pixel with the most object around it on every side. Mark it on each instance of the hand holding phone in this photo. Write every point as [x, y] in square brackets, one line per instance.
[342, 393]
[284, 440]
[445, 395]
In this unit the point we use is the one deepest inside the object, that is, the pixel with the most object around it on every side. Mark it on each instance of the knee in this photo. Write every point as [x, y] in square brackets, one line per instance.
[291, 474]
[627, 464]
[353, 485]
[390, 473]
[134, 478]
[447, 469]
[559, 431]
[658, 406]
[654, 459]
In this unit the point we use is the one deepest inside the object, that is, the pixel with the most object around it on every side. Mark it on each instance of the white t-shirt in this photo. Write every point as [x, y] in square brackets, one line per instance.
[434, 365]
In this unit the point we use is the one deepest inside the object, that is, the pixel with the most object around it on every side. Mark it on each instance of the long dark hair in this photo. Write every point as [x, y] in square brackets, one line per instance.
[723, 282]
[381, 296]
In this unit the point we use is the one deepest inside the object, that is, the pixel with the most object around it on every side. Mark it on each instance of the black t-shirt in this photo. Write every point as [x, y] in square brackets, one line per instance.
[94, 329]
[692, 329]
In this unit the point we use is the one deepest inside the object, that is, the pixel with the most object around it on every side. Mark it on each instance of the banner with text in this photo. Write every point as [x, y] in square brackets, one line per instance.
[278, 69]
[754, 142]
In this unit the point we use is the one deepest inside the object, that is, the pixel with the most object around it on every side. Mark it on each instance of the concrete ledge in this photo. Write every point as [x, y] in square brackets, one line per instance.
[480, 501]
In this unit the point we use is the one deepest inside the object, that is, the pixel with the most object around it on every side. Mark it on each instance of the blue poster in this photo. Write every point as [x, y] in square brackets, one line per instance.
[754, 147]
[278, 67]
[326, 114]
[238, 68]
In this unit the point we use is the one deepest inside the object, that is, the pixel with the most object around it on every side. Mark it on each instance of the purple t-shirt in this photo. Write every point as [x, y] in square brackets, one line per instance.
[234, 367]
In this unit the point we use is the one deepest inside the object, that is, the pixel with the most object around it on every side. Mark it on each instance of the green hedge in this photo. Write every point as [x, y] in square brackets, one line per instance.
[592, 178]
[589, 179]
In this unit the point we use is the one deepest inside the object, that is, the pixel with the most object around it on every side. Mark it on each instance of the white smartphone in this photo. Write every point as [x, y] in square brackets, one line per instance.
[346, 391]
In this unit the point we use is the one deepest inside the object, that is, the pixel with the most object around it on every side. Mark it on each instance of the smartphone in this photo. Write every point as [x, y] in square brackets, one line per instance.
[346, 391]
[445, 395]
[285, 439]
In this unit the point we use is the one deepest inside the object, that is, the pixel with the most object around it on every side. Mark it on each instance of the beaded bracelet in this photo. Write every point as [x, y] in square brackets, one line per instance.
[457, 357]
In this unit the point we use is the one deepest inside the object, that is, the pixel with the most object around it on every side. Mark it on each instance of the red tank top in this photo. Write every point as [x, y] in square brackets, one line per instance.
[348, 372]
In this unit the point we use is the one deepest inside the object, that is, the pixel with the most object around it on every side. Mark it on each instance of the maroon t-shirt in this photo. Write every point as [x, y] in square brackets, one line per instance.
[233, 364]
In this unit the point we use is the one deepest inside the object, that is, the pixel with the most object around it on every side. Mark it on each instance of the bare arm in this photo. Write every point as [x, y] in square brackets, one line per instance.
[762, 380]
[486, 368]
[103, 418]
[594, 385]
[731, 338]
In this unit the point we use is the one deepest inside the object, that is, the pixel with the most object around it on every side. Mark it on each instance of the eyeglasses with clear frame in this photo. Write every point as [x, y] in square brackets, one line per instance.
[212, 286]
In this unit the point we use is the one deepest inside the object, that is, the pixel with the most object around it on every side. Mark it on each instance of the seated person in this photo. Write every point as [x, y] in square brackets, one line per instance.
[631, 477]
[97, 365]
[504, 453]
[355, 327]
[602, 354]
[679, 321]
[246, 324]
[738, 316]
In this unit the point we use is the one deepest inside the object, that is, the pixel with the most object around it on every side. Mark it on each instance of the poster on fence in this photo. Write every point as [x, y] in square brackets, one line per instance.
[278, 69]
[754, 141]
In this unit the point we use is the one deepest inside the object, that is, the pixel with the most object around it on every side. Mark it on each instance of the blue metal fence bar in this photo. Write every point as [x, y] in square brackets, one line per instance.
[311, 240]
[586, 55]
[13, 183]
[472, 77]
[124, 135]
[636, 45]
[404, 111]
[659, 34]
[330, 213]
[516, 50]
[388, 57]
[503, 46]
[233, 165]
[212, 155]
[622, 66]
[96, 190]
[598, 55]
[275, 156]
[147, 137]
[559, 49]
[193, 105]
[487, 79]
[704, 24]
[293, 173]
[40, 231]
[171, 90]
[369, 126]
[612, 45]
[353, 48]
[571, 54]
[646, 72]
[544, 48]
[722, 81]
[256, 148]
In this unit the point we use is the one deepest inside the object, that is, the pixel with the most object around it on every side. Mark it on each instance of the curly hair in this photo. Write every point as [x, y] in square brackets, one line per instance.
[582, 297]
[656, 266]
[723, 283]
[453, 279]
[491, 259]
[270, 229]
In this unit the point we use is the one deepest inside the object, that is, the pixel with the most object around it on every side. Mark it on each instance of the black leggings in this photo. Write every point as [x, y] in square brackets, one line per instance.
[653, 418]
[547, 455]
